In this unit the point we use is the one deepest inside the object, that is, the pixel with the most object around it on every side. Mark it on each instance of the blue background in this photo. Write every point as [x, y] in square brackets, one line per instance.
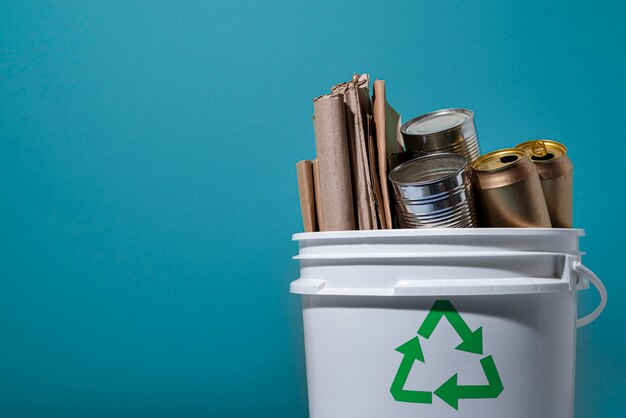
[148, 191]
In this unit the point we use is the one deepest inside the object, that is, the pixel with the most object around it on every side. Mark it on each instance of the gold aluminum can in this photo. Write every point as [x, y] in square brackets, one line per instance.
[507, 191]
[556, 173]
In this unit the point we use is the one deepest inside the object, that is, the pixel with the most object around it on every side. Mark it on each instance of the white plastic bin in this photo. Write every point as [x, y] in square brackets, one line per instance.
[442, 323]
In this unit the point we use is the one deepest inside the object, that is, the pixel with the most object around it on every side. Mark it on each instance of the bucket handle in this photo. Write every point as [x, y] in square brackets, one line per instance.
[595, 280]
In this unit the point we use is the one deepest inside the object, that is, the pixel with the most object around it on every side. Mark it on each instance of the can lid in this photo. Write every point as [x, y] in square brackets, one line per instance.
[499, 160]
[543, 149]
[437, 122]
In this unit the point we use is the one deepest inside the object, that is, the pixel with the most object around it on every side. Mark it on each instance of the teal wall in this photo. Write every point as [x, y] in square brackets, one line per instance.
[148, 193]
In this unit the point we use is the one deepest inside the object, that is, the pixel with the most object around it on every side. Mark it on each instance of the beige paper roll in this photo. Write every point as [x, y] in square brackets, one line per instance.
[331, 143]
[304, 170]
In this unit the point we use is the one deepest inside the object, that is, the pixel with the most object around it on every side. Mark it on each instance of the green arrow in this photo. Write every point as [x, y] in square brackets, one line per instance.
[412, 351]
[472, 340]
[450, 392]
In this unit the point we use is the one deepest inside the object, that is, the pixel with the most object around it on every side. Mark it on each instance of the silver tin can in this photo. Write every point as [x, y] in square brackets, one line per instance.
[446, 130]
[434, 191]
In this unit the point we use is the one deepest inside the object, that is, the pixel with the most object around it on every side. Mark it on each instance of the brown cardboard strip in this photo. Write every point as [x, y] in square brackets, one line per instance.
[376, 186]
[381, 142]
[318, 195]
[389, 141]
[358, 107]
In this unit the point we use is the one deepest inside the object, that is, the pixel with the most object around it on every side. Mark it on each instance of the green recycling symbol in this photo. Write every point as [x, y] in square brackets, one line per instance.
[450, 391]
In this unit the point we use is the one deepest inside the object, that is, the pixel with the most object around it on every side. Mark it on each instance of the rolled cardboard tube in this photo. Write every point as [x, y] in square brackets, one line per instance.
[331, 143]
[304, 170]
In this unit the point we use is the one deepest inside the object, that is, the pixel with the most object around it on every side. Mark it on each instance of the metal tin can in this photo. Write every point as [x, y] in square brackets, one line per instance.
[434, 191]
[446, 130]
[508, 190]
[556, 173]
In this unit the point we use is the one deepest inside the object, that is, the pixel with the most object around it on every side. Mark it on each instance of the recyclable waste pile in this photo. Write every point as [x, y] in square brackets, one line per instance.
[372, 171]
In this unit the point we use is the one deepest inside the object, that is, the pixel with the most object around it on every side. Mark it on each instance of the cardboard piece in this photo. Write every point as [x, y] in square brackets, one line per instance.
[357, 109]
[376, 184]
[318, 195]
[306, 190]
[389, 141]
[333, 159]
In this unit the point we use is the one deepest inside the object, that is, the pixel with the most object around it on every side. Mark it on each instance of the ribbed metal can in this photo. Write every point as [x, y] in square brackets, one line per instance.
[556, 173]
[442, 131]
[508, 190]
[434, 191]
